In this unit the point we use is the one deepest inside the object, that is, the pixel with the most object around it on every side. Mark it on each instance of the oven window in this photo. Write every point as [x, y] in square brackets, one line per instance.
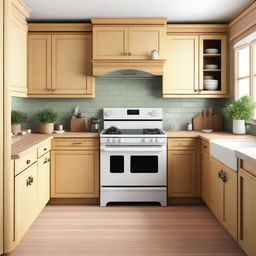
[144, 164]
[116, 164]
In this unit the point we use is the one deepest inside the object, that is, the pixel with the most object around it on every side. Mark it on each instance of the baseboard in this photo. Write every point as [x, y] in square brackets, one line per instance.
[185, 201]
[78, 201]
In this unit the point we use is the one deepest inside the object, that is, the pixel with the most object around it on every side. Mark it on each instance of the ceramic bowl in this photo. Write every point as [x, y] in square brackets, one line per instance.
[211, 84]
[211, 51]
[211, 66]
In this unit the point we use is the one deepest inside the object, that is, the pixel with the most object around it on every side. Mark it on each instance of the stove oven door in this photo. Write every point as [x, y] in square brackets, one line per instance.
[133, 165]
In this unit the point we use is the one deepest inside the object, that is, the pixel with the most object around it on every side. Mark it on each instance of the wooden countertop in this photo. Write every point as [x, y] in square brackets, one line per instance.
[77, 134]
[22, 145]
[207, 136]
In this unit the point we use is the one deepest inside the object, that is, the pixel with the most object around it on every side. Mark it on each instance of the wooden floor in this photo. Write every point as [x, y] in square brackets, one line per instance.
[127, 231]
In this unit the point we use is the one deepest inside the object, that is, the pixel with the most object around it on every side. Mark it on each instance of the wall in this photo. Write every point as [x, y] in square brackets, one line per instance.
[122, 93]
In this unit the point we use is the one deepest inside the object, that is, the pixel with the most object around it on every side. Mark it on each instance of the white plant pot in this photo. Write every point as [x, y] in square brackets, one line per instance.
[238, 127]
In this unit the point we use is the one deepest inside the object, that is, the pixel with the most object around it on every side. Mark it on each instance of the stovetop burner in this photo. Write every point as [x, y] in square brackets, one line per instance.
[113, 130]
[152, 131]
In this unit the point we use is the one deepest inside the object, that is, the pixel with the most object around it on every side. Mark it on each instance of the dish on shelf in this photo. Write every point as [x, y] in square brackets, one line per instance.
[208, 77]
[211, 84]
[211, 51]
[211, 66]
[207, 130]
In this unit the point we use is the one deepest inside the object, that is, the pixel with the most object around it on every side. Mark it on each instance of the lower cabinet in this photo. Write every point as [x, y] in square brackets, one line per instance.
[223, 195]
[75, 174]
[43, 180]
[25, 200]
[183, 169]
[247, 211]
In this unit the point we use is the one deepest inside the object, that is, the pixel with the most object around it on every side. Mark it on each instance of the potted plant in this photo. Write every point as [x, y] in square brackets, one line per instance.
[240, 111]
[17, 118]
[47, 117]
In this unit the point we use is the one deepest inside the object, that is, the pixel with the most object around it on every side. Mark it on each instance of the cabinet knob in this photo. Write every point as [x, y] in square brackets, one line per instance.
[195, 90]
[45, 149]
[53, 90]
[49, 89]
[28, 162]
[45, 161]
[129, 54]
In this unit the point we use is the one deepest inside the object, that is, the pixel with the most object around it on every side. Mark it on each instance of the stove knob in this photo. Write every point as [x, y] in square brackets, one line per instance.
[153, 113]
[108, 112]
[109, 140]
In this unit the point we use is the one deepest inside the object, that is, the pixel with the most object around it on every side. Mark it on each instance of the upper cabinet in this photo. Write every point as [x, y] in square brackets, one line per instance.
[16, 46]
[59, 65]
[127, 42]
[195, 66]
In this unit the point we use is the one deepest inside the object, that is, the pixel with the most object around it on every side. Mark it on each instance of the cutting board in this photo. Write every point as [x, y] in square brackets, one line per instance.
[208, 119]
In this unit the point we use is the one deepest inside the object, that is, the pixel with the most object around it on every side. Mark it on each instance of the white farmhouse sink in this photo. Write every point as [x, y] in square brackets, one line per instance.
[224, 150]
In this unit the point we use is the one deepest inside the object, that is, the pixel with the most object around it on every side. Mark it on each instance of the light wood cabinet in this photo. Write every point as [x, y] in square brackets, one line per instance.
[223, 195]
[25, 200]
[183, 167]
[181, 66]
[16, 14]
[247, 211]
[205, 176]
[127, 42]
[60, 65]
[74, 169]
[43, 173]
[185, 68]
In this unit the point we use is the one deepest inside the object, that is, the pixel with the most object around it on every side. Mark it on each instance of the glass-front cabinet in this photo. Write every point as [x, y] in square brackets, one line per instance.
[213, 64]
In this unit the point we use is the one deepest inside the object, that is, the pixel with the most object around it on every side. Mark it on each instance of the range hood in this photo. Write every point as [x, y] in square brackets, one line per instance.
[135, 67]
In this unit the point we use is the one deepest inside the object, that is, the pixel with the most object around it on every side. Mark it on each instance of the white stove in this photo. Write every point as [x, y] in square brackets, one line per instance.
[133, 156]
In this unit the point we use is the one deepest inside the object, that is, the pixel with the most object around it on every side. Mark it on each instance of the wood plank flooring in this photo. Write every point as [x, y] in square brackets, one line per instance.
[127, 231]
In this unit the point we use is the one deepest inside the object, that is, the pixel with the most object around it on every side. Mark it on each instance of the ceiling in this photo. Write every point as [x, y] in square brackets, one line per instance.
[177, 11]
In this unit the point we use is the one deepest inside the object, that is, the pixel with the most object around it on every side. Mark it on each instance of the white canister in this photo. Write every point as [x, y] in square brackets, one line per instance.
[238, 127]
[189, 126]
[154, 55]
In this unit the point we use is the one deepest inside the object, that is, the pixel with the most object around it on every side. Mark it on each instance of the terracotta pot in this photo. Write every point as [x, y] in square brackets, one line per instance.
[46, 128]
[16, 128]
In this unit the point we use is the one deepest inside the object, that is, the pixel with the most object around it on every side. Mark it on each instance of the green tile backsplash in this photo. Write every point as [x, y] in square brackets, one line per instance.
[121, 93]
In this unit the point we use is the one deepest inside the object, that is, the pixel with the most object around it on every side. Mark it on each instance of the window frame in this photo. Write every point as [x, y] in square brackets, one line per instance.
[252, 71]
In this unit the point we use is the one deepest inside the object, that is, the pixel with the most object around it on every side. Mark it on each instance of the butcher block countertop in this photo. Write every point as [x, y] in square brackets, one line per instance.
[76, 135]
[22, 145]
[207, 136]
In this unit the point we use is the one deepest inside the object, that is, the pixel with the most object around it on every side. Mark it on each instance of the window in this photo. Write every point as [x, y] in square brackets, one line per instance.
[246, 71]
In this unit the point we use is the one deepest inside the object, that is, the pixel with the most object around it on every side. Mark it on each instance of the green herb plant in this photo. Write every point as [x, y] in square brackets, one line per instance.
[242, 109]
[18, 117]
[47, 115]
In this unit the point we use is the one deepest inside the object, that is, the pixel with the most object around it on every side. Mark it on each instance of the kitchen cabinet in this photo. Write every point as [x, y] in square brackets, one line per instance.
[247, 208]
[43, 174]
[181, 59]
[185, 68]
[205, 172]
[223, 195]
[25, 200]
[75, 168]
[183, 169]
[16, 13]
[60, 65]
[127, 42]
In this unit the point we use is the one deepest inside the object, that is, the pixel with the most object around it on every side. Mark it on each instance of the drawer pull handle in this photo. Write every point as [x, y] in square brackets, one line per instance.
[204, 147]
[45, 149]
[45, 161]
[28, 161]
[77, 143]
[30, 180]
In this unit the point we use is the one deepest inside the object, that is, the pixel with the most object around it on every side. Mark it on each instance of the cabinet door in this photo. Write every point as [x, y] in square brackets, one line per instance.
[230, 202]
[220, 59]
[17, 55]
[75, 174]
[71, 64]
[216, 189]
[181, 173]
[247, 212]
[181, 66]
[25, 200]
[43, 180]
[39, 64]
[205, 176]
[143, 40]
[110, 42]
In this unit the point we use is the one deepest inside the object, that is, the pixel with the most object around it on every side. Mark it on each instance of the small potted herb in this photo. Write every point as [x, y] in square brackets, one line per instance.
[47, 117]
[240, 111]
[17, 118]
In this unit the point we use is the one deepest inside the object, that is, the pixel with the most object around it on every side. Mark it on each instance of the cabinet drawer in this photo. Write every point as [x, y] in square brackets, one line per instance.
[205, 146]
[248, 167]
[24, 162]
[181, 144]
[75, 143]
[46, 147]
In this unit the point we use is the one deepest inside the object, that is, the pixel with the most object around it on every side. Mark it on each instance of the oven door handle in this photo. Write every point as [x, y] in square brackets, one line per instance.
[134, 149]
